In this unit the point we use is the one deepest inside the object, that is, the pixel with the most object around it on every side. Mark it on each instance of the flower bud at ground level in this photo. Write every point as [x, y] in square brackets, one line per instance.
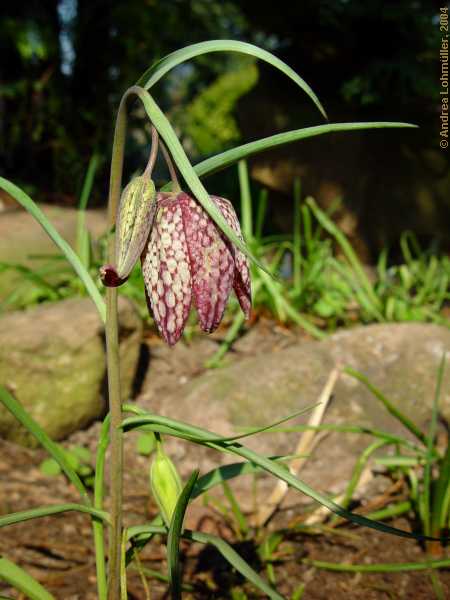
[188, 258]
[165, 483]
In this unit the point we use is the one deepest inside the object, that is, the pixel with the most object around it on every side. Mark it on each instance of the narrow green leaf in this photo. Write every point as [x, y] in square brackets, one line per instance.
[225, 159]
[204, 435]
[32, 275]
[225, 473]
[391, 511]
[441, 490]
[393, 410]
[174, 535]
[230, 336]
[22, 581]
[23, 199]
[82, 237]
[141, 539]
[235, 560]
[380, 568]
[45, 511]
[357, 472]
[398, 461]
[297, 237]
[287, 307]
[265, 428]
[236, 509]
[285, 475]
[298, 593]
[246, 202]
[88, 182]
[16, 409]
[160, 68]
[425, 500]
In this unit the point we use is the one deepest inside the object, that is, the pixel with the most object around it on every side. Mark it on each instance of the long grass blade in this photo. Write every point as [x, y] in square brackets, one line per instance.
[426, 495]
[246, 202]
[358, 469]
[297, 237]
[225, 473]
[202, 434]
[160, 68]
[241, 521]
[82, 237]
[380, 568]
[23, 199]
[235, 560]
[261, 211]
[439, 505]
[225, 159]
[391, 511]
[393, 410]
[22, 581]
[174, 535]
[46, 511]
[301, 486]
[230, 336]
[16, 409]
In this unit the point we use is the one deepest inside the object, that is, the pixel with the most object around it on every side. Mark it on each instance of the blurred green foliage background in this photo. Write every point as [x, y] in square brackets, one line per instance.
[65, 64]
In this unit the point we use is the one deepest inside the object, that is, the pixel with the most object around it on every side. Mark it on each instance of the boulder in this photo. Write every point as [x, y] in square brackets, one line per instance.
[52, 358]
[21, 237]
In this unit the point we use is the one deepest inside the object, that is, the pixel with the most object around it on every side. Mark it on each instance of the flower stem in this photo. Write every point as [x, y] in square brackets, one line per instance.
[113, 364]
[153, 153]
[112, 351]
[173, 174]
[116, 443]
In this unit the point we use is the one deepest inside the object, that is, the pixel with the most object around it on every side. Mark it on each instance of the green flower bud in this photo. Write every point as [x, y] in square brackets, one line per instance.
[136, 212]
[165, 483]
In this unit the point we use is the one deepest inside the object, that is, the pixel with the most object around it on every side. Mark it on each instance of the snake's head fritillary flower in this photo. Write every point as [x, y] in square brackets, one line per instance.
[188, 259]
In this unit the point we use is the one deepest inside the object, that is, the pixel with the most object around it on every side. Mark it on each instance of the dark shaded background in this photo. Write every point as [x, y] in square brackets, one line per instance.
[65, 64]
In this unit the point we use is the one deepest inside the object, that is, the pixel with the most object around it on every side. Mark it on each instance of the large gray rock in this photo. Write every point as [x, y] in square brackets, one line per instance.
[22, 237]
[401, 359]
[52, 358]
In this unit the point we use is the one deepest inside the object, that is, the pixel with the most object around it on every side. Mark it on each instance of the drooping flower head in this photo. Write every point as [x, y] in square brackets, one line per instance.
[186, 259]
[189, 260]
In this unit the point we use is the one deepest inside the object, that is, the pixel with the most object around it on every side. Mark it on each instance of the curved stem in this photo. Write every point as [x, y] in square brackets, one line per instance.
[153, 153]
[173, 174]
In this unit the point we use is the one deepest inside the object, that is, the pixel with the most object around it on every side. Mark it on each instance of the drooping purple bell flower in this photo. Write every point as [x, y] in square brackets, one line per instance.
[188, 259]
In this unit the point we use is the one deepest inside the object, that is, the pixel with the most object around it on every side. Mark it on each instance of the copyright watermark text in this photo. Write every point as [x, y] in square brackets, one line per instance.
[443, 56]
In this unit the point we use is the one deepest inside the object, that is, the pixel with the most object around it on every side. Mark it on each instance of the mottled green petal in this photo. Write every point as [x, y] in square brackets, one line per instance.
[136, 212]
